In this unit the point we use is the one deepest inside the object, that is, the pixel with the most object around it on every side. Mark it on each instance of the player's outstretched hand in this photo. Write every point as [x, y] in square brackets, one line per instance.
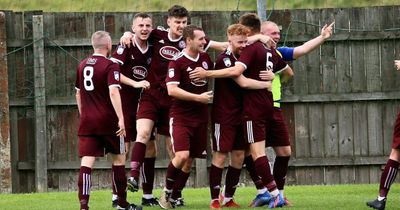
[142, 84]
[198, 73]
[397, 64]
[126, 39]
[205, 97]
[327, 30]
[267, 75]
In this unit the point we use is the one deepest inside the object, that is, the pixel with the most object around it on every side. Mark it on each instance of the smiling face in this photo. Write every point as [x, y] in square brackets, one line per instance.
[176, 25]
[272, 30]
[142, 27]
[238, 43]
[197, 43]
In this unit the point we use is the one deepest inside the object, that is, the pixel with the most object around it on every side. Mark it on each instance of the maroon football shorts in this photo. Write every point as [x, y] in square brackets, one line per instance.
[97, 146]
[154, 104]
[278, 133]
[396, 133]
[255, 130]
[228, 137]
[192, 139]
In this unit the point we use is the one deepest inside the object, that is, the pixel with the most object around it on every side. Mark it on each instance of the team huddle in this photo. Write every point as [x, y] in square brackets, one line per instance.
[156, 82]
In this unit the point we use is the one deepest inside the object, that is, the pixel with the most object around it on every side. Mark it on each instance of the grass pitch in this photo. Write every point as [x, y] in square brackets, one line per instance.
[351, 197]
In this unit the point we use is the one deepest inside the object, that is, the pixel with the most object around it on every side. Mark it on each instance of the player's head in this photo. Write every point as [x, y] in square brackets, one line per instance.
[101, 41]
[252, 21]
[194, 37]
[237, 37]
[177, 19]
[271, 29]
[142, 25]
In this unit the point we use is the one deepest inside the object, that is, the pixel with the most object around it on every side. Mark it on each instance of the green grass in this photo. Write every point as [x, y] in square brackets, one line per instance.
[192, 5]
[317, 197]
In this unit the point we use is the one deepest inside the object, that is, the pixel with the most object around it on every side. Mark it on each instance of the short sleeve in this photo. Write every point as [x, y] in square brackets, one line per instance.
[286, 53]
[173, 74]
[113, 77]
[119, 54]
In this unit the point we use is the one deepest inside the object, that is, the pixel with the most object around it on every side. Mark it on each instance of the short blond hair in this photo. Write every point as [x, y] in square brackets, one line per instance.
[100, 40]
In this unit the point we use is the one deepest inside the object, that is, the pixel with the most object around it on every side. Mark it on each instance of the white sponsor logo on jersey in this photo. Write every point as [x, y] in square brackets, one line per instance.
[139, 72]
[120, 50]
[91, 61]
[205, 65]
[116, 75]
[171, 73]
[182, 44]
[169, 52]
[227, 62]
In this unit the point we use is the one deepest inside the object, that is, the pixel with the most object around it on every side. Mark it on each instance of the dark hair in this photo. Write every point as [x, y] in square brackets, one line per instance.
[141, 15]
[252, 21]
[188, 31]
[178, 11]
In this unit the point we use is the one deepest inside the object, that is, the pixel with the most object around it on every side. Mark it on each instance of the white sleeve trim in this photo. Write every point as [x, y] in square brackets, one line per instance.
[283, 69]
[173, 83]
[76, 88]
[117, 61]
[241, 63]
[208, 46]
[115, 85]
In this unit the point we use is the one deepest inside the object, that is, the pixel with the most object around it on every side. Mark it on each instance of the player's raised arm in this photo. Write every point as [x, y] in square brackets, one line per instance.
[326, 33]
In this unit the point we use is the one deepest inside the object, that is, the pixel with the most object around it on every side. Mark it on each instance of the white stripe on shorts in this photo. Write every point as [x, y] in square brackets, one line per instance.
[121, 145]
[250, 136]
[217, 135]
[171, 120]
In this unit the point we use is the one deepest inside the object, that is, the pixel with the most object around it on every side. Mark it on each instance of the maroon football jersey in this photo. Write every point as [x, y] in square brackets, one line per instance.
[164, 50]
[255, 58]
[135, 63]
[94, 77]
[227, 104]
[188, 112]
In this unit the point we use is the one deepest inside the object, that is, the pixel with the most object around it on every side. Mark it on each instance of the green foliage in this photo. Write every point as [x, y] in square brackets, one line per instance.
[352, 197]
[192, 5]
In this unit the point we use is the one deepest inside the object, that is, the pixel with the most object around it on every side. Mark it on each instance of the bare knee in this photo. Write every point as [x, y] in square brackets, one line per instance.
[219, 159]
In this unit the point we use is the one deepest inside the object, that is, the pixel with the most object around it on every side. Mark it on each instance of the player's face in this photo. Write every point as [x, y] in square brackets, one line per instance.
[238, 43]
[271, 30]
[197, 43]
[176, 25]
[142, 27]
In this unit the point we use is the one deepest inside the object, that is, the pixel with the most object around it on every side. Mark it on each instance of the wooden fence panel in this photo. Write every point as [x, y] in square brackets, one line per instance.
[340, 106]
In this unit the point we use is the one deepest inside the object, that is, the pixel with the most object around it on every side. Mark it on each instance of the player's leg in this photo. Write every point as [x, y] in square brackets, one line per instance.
[278, 138]
[237, 148]
[255, 133]
[232, 179]
[180, 183]
[148, 174]
[89, 148]
[115, 146]
[84, 181]
[180, 141]
[390, 172]
[215, 176]
[387, 178]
